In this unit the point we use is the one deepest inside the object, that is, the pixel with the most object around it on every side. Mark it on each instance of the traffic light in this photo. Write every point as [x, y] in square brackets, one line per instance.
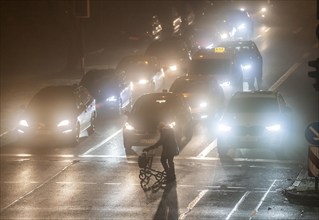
[314, 74]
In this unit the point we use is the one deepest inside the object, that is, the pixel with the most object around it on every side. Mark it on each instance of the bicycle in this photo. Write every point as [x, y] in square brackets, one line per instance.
[147, 183]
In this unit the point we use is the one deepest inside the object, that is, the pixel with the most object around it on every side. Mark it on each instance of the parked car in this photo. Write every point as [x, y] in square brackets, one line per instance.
[257, 119]
[112, 94]
[58, 113]
[203, 94]
[149, 110]
[143, 73]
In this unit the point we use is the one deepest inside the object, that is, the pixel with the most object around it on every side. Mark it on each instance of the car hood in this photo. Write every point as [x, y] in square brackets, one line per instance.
[142, 123]
[252, 119]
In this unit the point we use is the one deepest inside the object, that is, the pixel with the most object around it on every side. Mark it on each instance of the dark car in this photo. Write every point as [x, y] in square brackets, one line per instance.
[249, 60]
[241, 22]
[173, 54]
[203, 94]
[58, 113]
[143, 73]
[149, 110]
[110, 91]
[259, 119]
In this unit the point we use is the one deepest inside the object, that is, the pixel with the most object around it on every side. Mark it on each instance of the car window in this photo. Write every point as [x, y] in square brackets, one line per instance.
[190, 86]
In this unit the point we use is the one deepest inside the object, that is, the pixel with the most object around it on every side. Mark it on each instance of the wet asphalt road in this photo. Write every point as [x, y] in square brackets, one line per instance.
[99, 180]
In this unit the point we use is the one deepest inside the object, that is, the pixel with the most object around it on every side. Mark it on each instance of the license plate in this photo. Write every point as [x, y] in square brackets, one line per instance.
[43, 132]
[249, 139]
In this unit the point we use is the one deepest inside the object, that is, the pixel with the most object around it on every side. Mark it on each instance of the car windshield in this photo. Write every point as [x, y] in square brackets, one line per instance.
[253, 105]
[49, 100]
[210, 66]
[150, 107]
[190, 86]
[134, 69]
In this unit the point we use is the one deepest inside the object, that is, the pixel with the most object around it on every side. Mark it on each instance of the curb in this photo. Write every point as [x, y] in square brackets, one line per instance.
[300, 192]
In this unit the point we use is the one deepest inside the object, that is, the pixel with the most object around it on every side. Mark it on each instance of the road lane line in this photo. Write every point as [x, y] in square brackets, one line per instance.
[103, 142]
[192, 204]
[38, 187]
[253, 213]
[208, 149]
[284, 77]
[237, 204]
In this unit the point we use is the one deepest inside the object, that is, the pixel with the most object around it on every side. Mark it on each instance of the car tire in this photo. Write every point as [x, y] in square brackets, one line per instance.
[91, 129]
[76, 137]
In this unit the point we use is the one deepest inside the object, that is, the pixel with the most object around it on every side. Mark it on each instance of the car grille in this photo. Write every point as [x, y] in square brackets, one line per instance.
[251, 130]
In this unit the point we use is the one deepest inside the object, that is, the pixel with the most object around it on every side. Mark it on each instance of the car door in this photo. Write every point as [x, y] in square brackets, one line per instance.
[125, 92]
[86, 106]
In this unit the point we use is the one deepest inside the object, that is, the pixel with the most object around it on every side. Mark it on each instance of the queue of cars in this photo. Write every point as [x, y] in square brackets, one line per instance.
[202, 82]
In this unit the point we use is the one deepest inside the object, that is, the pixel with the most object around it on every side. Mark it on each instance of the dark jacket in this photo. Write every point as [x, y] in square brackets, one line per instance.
[168, 142]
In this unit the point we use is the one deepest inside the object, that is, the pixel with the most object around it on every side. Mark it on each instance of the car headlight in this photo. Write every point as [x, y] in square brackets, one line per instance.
[63, 123]
[111, 99]
[245, 67]
[128, 126]
[172, 124]
[143, 81]
[24, 123]
[224, 128]
[273, 128]
[241, 27]
[223, 36]
[225, 84]
[173, 68]
[203, 104]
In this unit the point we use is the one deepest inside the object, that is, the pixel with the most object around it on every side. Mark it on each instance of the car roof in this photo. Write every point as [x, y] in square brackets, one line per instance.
[211, 54]
[193, 77]
[254, 94]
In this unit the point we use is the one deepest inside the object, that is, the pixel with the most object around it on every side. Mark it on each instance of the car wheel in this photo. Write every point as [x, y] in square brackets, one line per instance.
[76, 138]
[91, 129]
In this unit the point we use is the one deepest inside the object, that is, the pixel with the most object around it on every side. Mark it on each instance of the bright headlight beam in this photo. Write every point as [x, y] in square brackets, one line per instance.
[63, 123]
[223, 128]
[111, 99]
[225, 84]
[173, 68]
[24, 123]
[128, 126]
[142, 81]
[246, 67]
[274, 128]
[203, 104]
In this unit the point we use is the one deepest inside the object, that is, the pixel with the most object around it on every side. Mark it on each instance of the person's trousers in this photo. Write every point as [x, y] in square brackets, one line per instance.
[169, 167]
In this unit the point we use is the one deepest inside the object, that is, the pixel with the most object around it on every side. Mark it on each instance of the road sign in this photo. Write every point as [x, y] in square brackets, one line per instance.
[312, 134]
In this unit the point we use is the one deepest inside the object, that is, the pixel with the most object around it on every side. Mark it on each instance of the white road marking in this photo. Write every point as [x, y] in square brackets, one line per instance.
[238, 203]
[192, 204]
[103, 142]
[38, 187]
[284, 77]
[208, 149]
[253, 213]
